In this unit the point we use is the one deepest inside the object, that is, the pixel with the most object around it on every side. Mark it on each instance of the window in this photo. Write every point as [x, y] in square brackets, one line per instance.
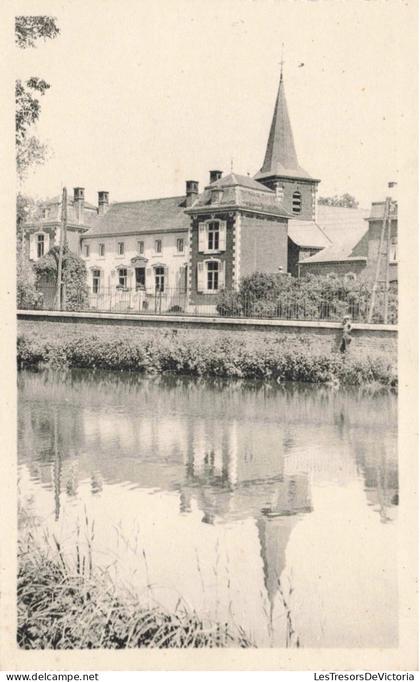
[212, 276]
[96, 281]
[87, 249]
[45, 212]
[349, 277]
[180, 245]
[213, 236]
[140, 247]
[122, 277]
[120, 249]
[393, 251]
[102, 249]
[296, 202]
[140, 278]
[158, 246]
[160, 279]
[40, 245]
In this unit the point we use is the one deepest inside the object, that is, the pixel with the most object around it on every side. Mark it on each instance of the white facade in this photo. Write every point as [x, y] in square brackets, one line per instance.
[137, 272]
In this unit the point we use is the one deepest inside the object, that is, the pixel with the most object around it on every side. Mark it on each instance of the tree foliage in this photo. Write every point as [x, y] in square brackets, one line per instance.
[345, 200]
[74, 276]
[29, 29]
[312, 297]
[29, 149]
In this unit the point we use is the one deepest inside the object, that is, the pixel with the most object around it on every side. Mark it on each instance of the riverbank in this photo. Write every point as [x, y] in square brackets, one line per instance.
[262, 357]
[61, 606]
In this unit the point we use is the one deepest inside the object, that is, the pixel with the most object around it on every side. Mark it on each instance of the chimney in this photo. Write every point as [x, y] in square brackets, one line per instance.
[103, 202]
[79, 202]
[191, 191]
[215, 175]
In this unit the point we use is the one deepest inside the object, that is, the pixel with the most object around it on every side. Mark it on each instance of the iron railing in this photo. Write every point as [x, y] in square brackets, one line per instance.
[228, 304]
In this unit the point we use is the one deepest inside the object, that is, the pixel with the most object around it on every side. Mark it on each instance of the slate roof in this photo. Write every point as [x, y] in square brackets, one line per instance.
[307, 233]
[234, 179]
[142, 216]
[346, 229]
[239, 191]
[280, 155]
[70, 201]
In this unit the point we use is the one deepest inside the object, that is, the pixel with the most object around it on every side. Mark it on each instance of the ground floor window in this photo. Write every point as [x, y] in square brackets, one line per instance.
[122, 277]
[96, 281]
[140, 278]
[212, 276]
[40, 245]
[160, 278]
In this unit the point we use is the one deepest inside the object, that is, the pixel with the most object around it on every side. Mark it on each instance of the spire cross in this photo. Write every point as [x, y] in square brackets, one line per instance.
[281, 61]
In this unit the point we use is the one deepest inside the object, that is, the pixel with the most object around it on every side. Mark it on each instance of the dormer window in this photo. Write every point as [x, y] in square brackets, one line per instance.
[296, 202]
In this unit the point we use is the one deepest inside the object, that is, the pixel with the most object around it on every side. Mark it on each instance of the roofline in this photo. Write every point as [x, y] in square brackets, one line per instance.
[307, 246]
[143, 201]
[350, 259]
[170, 230]
[211, 208]
[268, 176]
[56, 223]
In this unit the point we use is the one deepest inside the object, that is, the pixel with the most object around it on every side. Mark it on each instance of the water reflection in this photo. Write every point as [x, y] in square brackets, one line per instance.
[245, 456]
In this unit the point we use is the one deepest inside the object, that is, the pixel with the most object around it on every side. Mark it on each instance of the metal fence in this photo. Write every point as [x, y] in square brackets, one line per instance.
[228, 304]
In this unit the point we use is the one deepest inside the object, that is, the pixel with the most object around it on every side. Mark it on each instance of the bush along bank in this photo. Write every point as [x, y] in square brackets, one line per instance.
[286, 359]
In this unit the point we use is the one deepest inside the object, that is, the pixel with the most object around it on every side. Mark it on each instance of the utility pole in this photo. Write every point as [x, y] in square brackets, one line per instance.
[380, 254]
[63, 238]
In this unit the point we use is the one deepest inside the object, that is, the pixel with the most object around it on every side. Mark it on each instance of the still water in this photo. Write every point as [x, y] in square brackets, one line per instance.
[273, 507]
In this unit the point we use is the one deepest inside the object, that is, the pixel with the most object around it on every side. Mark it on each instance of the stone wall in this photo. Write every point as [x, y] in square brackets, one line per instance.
[325, 336]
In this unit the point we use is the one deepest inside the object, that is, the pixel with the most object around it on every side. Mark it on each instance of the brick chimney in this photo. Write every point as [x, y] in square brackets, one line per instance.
[215, 175]
[103, 202]
[79, 202]
[191, 191]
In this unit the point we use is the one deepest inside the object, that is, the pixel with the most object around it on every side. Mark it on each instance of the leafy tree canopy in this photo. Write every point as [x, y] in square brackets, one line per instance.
[345, 200]
[29, 149]
[29, 29]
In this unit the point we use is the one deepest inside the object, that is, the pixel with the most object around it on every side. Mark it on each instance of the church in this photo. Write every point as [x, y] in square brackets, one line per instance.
[187, 249]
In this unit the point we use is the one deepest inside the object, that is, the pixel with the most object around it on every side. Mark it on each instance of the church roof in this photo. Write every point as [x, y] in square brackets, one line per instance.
[280, 156]
[152, 215]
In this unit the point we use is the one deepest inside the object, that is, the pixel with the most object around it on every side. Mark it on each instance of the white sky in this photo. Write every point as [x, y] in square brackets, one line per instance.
[148, 94]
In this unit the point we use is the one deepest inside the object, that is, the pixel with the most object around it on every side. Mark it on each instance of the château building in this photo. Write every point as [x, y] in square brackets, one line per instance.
[186, 249]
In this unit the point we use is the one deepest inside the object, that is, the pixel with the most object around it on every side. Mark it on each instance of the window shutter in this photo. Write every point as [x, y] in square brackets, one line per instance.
[32, 247]
[46, 243]
[202, 233]
[200, 277]
[222, 235]
[222, 265]
[148, 277]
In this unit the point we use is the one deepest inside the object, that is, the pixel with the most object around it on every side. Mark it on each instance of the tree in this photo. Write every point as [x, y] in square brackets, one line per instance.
[74, 276]
[29, 149]
[29, 29]
[345, 200]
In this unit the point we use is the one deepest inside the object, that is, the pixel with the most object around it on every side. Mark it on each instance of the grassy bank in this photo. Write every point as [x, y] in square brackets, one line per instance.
[65, 607]
[280, 358]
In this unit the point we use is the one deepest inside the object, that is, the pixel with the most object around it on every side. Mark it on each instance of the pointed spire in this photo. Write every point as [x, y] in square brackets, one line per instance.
[280, 156]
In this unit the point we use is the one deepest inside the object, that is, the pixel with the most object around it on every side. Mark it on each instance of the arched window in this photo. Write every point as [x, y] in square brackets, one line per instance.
[296, 202]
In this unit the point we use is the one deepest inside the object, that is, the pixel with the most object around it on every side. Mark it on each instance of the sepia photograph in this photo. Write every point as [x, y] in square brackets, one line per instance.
[209, 267]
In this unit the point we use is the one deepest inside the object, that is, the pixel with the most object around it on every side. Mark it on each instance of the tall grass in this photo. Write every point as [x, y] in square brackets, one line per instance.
[72, 605]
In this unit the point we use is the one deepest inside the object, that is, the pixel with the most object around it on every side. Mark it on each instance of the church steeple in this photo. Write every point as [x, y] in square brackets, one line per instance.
[281, 172]
[280, 156]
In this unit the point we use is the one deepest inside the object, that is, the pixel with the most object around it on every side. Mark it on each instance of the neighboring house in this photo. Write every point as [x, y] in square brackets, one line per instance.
[356, 249]
[44, 233]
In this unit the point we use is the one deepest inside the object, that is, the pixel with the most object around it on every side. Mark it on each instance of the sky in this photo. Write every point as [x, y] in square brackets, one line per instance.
[147, 95]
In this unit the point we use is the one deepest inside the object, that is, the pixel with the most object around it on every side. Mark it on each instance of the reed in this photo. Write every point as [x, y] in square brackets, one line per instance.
[72, 605]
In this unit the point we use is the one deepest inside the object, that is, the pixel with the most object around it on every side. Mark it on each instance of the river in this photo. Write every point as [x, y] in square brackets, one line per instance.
[274, 507]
